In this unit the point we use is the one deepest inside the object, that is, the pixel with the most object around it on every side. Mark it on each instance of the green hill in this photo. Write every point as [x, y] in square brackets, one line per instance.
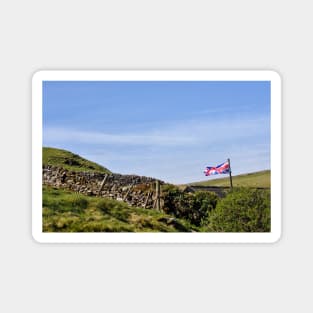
[260, 179]
[201, 211]
[70, 161]
[66, 211]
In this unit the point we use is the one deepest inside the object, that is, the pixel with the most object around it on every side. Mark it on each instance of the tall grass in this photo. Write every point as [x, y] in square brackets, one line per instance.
[65, 211]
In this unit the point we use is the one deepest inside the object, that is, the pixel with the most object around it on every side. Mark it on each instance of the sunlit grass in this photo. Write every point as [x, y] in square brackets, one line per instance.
[66, 211]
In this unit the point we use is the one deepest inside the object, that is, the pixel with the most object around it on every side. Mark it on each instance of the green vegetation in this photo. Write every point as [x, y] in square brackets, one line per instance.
[193, 207]
[243, 210]
[258, 179]
[70, 161]
[66, 211]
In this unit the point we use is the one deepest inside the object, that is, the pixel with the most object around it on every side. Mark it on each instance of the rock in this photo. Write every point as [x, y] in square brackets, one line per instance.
[116, 186]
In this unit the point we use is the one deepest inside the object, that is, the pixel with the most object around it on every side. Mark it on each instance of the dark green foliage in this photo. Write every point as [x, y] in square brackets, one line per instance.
[194, 207]
[243, 210]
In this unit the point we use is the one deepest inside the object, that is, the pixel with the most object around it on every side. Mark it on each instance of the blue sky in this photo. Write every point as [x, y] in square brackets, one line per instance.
[169, 130]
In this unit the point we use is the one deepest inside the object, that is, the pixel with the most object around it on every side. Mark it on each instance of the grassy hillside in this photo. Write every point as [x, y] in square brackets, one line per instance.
[66, 211]
[70, 161]
[257, 179]
[241, 210]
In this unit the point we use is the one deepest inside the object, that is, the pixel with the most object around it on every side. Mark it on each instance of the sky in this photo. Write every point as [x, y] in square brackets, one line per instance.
[169, 130]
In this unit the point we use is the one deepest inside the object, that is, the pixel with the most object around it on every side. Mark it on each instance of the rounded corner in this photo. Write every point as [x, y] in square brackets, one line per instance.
[275, 75]
[36, 237]
[277, 237]
[37, 75]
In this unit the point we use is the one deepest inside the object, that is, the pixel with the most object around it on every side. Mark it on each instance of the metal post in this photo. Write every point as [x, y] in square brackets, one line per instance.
[230, 178]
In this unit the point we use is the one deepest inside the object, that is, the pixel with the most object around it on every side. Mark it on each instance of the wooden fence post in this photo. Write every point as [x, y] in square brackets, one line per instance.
[128, 191]
[147, 199]
[157, 196]
[102, 184]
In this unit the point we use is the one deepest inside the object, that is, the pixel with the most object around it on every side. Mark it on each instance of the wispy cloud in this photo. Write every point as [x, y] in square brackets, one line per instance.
[176, 152]
[181, 133]
[217, 109]
[170, 131]
[59, 135]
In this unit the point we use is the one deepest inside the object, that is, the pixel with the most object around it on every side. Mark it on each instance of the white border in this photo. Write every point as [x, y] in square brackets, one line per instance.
[270, 237]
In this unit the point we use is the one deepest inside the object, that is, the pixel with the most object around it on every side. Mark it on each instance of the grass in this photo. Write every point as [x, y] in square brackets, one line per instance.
[70, 161]
[260, 179]
[66, 211]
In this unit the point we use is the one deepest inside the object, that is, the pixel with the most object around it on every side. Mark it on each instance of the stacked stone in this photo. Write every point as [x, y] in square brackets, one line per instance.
[116, 185]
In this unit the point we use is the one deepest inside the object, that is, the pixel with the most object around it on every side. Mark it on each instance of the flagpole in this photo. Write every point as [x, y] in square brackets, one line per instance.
[230, 178]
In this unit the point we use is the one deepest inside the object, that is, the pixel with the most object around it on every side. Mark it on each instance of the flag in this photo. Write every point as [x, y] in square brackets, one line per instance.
[223, 168]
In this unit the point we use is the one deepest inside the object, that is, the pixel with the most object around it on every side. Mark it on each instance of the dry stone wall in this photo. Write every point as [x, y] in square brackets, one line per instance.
[135, 190]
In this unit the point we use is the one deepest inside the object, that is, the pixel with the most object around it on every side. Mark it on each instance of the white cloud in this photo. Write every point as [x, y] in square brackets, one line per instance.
[176, 152]
[182, 133]
[58, 135]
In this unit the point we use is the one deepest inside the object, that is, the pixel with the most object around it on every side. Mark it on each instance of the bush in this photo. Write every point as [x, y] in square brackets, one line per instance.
[243, 210]
[193, 207]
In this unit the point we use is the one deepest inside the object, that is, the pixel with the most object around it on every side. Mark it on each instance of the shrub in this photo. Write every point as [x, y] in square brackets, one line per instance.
[243, 210]
[193, 207]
